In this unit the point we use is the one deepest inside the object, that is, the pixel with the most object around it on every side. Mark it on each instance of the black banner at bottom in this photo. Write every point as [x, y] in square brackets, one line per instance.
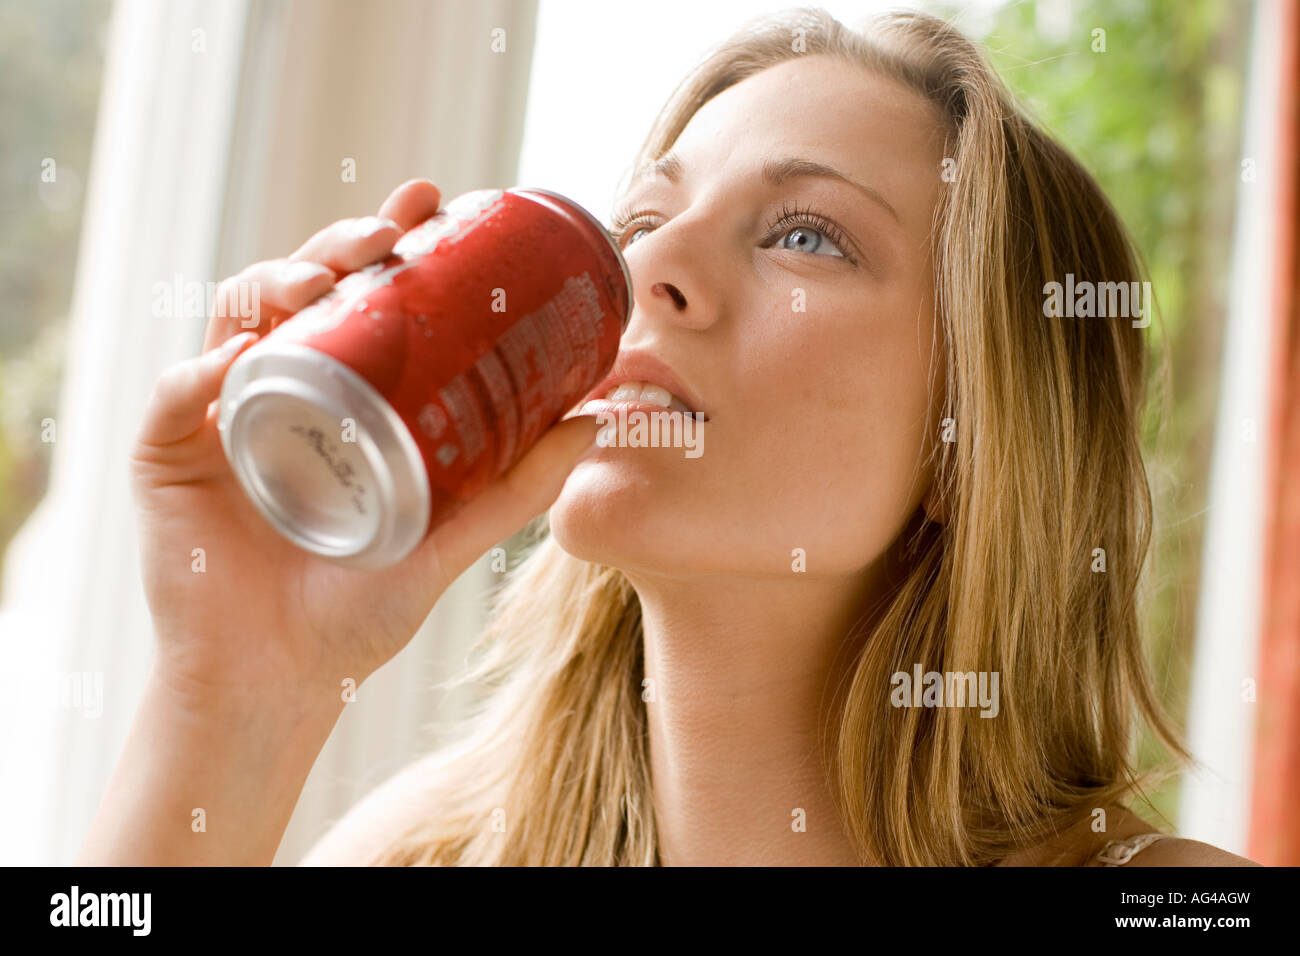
[212, 905]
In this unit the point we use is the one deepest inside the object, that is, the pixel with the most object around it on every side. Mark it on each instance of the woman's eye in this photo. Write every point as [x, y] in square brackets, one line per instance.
[797, 238]
[627, 237]
[808, 239]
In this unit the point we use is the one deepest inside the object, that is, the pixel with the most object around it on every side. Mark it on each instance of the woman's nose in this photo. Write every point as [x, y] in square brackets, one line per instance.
[680, 271]
[670, 290]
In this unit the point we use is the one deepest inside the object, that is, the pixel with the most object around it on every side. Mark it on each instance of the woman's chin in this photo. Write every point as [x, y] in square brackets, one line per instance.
[597, 497]
[607, 509]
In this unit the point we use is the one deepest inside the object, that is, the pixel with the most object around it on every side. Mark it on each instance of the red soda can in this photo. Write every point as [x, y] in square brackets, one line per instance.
[368, 418]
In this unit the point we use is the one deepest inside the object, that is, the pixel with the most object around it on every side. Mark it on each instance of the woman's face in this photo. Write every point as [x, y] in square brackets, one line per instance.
[813, 355]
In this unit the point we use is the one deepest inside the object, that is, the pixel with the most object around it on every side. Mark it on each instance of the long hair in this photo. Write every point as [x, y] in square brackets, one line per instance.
[1040, 477]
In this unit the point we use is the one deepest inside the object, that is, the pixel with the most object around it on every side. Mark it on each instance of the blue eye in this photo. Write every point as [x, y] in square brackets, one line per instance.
[814, 233]
[810, 240]
[628, 236]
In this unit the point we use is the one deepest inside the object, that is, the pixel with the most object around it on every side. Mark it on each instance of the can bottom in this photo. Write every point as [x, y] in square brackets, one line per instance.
[323, 457]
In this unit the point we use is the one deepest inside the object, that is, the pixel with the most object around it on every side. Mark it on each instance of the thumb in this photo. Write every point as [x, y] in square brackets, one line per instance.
[179, 404]
[530, 487]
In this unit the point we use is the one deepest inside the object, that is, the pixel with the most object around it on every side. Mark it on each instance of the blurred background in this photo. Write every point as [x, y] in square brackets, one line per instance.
[151, 148]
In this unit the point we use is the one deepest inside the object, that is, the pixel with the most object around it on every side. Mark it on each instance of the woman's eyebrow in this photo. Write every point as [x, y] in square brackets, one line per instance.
[775, 172]
[667, 166]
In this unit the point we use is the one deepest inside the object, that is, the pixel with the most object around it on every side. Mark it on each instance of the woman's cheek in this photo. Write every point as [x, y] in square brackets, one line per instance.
[857, 476]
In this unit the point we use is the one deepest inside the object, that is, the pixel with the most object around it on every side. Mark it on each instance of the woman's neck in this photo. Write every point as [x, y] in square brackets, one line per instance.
[743, 676]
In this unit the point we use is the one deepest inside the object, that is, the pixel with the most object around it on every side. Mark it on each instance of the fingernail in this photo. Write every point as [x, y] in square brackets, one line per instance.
[367, 226]
[302, 272]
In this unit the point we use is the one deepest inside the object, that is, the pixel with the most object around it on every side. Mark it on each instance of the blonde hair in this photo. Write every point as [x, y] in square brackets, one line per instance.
[553, 767]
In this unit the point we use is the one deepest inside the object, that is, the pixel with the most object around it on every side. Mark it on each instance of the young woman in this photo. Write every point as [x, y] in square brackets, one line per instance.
[839, 244]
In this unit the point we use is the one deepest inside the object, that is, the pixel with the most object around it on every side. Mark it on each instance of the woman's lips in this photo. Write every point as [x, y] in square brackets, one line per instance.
[641, 367]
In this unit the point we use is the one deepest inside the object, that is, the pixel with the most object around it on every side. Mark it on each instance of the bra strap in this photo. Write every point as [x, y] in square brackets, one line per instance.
[1119, 852]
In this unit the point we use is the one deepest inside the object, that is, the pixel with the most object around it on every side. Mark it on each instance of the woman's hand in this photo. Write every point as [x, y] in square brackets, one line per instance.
[251, 610]
[255, 636]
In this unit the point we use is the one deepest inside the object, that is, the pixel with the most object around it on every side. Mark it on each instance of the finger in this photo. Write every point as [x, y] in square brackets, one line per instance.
[350, 244]
[257, 298]
[411, 203]
[178, 406]
[503, 507]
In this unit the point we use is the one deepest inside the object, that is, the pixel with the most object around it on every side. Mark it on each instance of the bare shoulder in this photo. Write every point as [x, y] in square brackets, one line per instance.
[1176, 851]
[378, 817]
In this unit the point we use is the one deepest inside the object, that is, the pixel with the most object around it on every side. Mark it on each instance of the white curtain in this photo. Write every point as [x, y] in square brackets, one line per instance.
[1215, 801]
[222, 135]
